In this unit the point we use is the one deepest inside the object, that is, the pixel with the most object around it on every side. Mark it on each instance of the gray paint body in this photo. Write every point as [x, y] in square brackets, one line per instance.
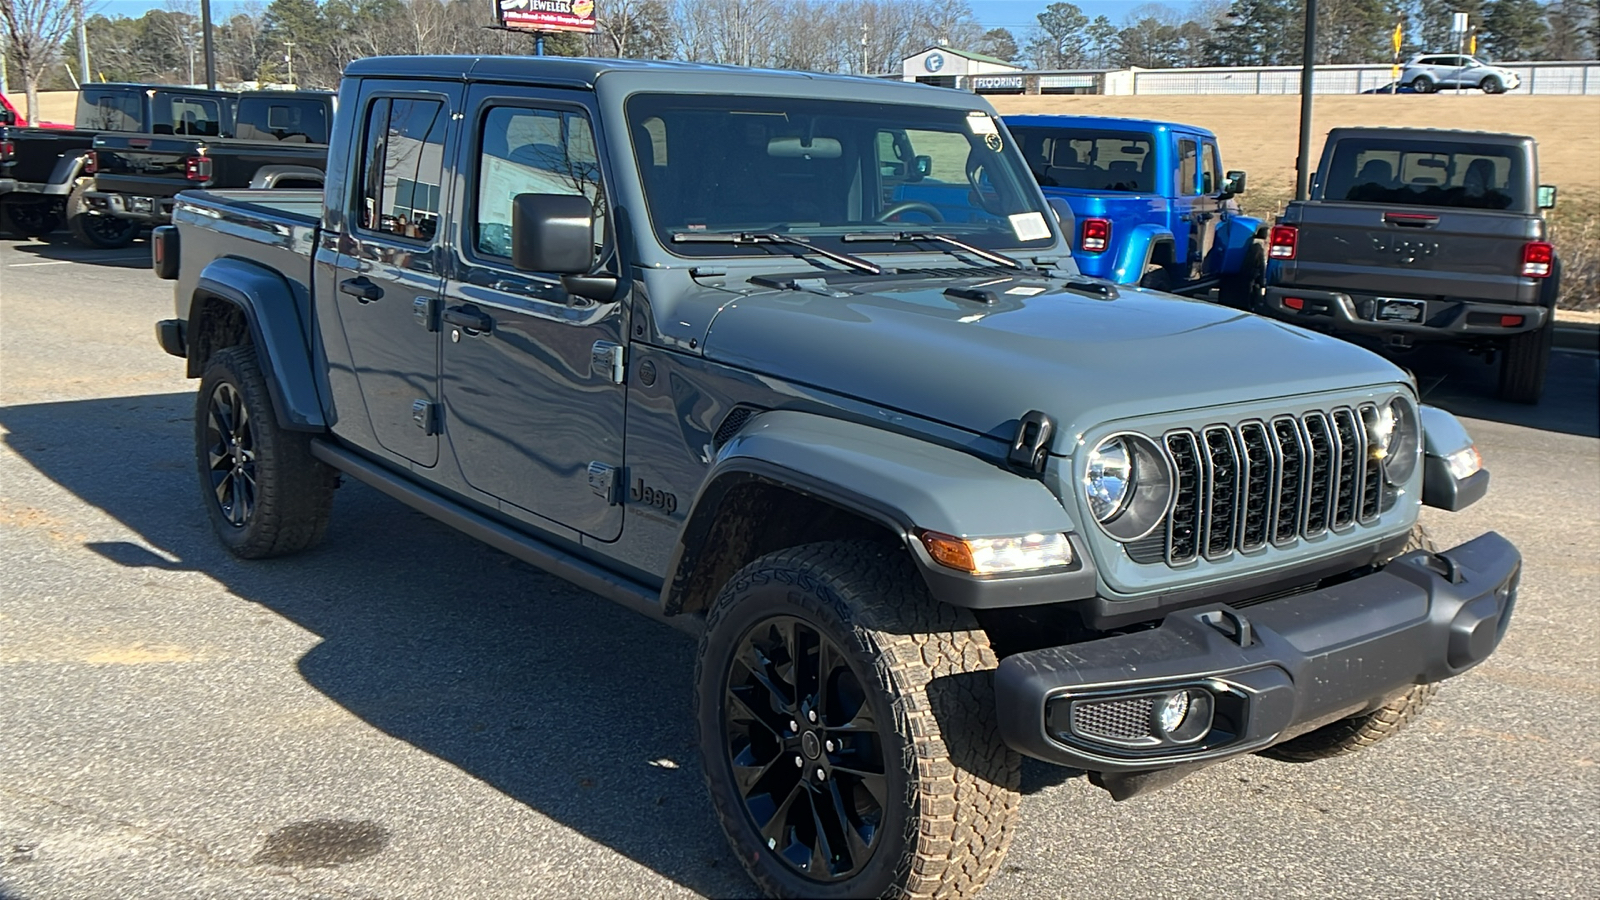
[892, 392]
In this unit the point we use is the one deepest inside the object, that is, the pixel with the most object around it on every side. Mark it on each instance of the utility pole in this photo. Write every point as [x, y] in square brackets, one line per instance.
[1302, 164]
[288, 57]
[83, 44]
[864, 30]
[205, 39]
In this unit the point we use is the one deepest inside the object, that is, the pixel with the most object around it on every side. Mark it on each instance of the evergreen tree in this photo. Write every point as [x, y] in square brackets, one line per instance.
[1513, 29]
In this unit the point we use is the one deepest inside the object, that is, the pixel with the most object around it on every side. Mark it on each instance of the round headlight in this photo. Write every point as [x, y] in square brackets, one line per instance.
[1128, 485]
[1394, 439]
[1109, 481]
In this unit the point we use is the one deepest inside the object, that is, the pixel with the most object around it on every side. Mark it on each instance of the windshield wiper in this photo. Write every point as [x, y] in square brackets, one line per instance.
[764, 237]
[906, 237]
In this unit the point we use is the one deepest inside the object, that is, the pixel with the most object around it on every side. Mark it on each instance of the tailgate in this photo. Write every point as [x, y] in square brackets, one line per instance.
[1411, 251]
[149, 166]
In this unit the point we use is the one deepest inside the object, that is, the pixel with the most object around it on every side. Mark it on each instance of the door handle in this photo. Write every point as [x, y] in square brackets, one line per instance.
[469, 320]
[361, 289]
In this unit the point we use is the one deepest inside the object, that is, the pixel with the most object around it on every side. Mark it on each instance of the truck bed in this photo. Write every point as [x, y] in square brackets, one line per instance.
[276, 231]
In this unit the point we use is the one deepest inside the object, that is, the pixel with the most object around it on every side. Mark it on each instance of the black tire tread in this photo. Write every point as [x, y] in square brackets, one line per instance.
[294, 490]
[966, 813]
[1361, 731]
[1526, 363]
[1237, 288]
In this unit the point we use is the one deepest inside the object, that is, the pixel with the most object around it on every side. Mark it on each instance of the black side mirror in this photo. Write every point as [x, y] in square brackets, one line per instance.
[552, 233]
[924, 166]
[1235, 182]
[7, 117]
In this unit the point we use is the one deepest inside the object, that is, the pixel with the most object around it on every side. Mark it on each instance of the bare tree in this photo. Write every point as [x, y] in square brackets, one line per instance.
[35, 30]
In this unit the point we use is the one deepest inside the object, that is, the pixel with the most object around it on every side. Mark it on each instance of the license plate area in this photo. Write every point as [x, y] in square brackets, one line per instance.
[1392, 309]
[139, 204]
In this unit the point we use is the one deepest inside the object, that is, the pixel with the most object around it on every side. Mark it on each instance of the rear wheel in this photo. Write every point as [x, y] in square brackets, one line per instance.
[1158, 278]
[31, 218]
[1422, 84]
[1365, 729]
[1244, 289]
[103, 232]
[848, 730]
[1525, 365]
[265, 494]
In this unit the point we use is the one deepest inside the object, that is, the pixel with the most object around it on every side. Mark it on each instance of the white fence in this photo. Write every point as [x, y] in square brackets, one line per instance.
[1573, 77]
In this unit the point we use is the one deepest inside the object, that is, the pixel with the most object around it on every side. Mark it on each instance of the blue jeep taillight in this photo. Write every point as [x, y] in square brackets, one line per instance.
[1095, 235]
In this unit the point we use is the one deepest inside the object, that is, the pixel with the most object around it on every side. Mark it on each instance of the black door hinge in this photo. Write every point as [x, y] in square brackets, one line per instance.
[426, 416]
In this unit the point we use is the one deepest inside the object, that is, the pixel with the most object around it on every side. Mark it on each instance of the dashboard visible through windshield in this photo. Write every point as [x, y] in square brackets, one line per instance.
[829, 171]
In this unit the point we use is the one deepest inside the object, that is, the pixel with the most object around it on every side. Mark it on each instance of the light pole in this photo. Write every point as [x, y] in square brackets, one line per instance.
[1302, 163]
[205, 39]
[863, 48]
[83, 44]
[288, 57]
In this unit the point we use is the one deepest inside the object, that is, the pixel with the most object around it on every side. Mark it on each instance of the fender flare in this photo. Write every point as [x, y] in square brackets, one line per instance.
[1236, 234]
[64, 177]
[1442, 436]
[903, 483]
[1133, 253]
[267, 301]
[267, 177]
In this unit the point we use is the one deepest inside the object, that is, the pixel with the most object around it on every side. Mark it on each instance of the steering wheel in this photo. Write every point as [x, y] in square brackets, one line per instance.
[911, 206]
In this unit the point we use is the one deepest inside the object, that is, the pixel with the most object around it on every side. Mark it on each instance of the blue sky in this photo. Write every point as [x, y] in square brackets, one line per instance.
[1017, 15]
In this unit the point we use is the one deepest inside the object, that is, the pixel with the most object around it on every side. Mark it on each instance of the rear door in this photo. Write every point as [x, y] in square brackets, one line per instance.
[533, 397]
[390, 268]
[1193, 213]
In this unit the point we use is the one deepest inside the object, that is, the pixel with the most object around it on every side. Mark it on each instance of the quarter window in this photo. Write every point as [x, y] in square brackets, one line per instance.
[532, 151]
[402, 166]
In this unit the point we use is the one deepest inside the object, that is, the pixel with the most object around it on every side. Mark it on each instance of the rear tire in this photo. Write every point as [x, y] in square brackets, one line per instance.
[100, 232]
[901, 685]
[1526, 363]
[265, 494]
[30, 219]
[1365, 729]
[1422, 84]
[1245, 288]
[1158, 278]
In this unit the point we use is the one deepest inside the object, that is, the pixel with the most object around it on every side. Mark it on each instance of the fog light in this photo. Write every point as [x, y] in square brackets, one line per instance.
[1183, 717]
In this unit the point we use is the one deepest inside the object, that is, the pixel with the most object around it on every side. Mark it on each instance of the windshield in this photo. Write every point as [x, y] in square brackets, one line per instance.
[1412, 173]
[1088, 160]
[827, 168]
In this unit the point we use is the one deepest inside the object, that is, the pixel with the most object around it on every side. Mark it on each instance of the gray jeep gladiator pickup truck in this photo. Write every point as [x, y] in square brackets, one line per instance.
[1424, 235]
[930, 499]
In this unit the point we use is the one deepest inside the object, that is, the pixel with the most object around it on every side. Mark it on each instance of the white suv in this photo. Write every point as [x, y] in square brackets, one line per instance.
[1426, 74]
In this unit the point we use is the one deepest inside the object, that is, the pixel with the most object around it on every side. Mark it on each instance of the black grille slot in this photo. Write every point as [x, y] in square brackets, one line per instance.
[1257, 484]
[1321, 463]
[1351, 447]
[1371, 475]
[1291, 480]
[731, 423]
[1152, 549]
[1183, 526]
[1223, 466]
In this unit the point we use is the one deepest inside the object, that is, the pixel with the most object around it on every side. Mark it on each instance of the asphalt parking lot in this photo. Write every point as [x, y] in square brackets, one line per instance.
[404, 713]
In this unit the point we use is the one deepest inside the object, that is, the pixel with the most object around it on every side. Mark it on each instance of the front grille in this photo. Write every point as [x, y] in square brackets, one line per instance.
[1118, 721]
[1239, 487]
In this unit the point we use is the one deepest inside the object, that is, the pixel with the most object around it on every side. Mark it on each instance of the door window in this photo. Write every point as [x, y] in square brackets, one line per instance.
[190, 116]
[532, 151]
[1188, 162]
[1210, 171]
[401, 168]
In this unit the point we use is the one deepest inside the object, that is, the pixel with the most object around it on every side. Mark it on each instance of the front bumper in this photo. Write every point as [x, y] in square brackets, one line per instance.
[1441, 320]
[1274, 669]
[151, 210]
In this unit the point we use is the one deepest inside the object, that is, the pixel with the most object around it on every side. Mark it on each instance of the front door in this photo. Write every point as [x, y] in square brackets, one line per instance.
[1195, 227]
[531, 392]
[1209, 208]
[390, 266]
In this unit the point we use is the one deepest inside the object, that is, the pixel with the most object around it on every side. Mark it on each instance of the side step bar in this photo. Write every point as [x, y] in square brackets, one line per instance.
[530, 550]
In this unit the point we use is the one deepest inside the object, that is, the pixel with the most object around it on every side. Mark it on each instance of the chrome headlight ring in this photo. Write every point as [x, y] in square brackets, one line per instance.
[1394, 438]
[1127, 485]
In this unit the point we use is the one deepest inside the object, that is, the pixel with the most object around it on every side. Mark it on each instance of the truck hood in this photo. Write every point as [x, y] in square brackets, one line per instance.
[1084, 360]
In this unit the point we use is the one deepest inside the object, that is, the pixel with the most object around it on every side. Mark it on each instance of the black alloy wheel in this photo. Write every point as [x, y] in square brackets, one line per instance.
[231, 454]
[34, 220]
[804, 748]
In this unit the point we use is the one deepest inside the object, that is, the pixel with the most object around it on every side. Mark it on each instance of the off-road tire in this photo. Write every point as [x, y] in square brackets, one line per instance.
[1423, 85]
[1492, 84]
[293, 491]
[1525, 364]
[1158, 278]
[100, 232]
[952, 783]
[1362, 731]
[1245, 288]
[29, 219]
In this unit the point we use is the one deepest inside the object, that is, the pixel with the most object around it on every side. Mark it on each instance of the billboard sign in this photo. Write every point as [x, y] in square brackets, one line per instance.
[546, 15]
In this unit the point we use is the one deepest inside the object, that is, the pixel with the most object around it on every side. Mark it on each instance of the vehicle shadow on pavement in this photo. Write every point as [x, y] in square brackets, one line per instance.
[1450, 378]
[555, 697]
[61, 247]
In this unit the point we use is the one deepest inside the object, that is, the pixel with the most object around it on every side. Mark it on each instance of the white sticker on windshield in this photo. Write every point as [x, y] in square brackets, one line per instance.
[980, 123]
[1026, 290]
[1029, 226]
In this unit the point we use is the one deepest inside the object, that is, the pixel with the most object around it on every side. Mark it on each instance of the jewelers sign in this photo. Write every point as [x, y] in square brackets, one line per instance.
[546, 15]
